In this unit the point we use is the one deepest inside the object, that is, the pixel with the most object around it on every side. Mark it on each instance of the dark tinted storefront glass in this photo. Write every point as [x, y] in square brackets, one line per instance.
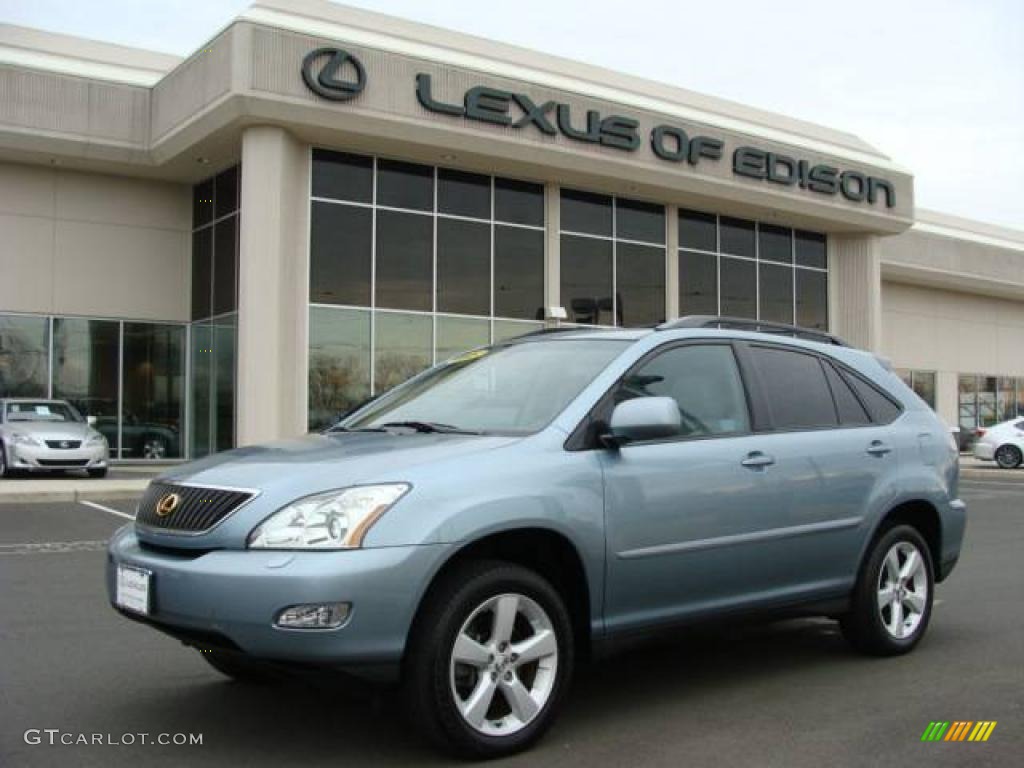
[518, 272]
[339, 363]
[810, 249]
[737, 236]
[85, 356]
[586, 212]
[775, 243]
[405, 185]
[587, 279]
[202, 272]
[519, 202]
[463, 267]
[698, 231]
[224, 342]
[225, 265]
[739, 288]
[403, 347]
[405, 246]
[200, 378]
[341, 176]
[202, 203]
[463, 194]
[640, 284]
[226, 192]
[698, 283]
[460, 334]
[153, 408]
[635, 220]
[340, 254]
[776, 293]
[24, 356]
[812, 299]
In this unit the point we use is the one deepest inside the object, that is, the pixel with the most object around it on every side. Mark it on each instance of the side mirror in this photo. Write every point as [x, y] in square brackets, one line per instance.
[90, 420]
[644, 418]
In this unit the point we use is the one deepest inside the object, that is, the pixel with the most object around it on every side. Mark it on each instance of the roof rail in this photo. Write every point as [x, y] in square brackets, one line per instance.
[757, 326]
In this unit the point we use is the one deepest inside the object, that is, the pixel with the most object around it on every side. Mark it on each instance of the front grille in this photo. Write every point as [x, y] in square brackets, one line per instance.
[61, 444]
[198, 509]
[62, 462]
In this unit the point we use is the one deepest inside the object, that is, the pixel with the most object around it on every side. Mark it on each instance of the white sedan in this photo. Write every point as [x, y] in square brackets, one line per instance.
[1002, 443]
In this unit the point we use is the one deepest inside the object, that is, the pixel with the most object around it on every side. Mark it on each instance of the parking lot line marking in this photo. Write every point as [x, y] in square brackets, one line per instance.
[94, 505]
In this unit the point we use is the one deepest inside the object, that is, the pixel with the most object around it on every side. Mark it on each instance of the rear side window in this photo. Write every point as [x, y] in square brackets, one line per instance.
[881, 409]
[796, 389]
[851, 412]
[1019, 425]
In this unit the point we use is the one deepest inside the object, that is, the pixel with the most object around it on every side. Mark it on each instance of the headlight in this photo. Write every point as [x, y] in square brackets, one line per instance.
[333, 520]
[96, 439]
[19, 439]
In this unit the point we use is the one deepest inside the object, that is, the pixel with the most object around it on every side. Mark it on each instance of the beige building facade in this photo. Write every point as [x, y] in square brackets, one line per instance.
[241, 244]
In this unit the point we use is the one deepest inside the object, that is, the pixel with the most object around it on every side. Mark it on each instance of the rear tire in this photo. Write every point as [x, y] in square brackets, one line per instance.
[489, 660]
[237, 667]
[892, 599]
[1008, 456]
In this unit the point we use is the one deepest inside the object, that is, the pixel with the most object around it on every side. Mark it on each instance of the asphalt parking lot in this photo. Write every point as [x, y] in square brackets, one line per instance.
[788, 694]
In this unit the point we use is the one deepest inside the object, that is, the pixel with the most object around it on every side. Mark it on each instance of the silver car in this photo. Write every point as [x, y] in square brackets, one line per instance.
[48, 435]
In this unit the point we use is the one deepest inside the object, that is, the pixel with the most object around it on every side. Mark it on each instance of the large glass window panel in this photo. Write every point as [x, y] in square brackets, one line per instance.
[510, 329]
[698, 231]
[225, 265]
[341, 176]
[518, 272]
[586, 212]
[519, 202]
[810, 249]
[226, 192]
[24, 356]
[737, 236]
[924, 385]
[698, 283]
[463, 194]
[339, 363]
[201, 376]
[812, 299]
[586, 278]
[459, 334]
[739, 288]
[775, 243]
[1020, 396]
[776, 293]
[405, 185]
[405, 246]
[202, 203]
[340, 254]
[463, 267]
[635, 220]
[987, 412]
[153, 403]
[967, 388]
[640, 284]
[224, 343]
[403, 346]
[202, 272]
[85, 370]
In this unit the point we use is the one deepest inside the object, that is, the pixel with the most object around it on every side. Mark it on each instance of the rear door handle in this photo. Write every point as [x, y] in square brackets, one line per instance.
[878, 448]
[757, 460]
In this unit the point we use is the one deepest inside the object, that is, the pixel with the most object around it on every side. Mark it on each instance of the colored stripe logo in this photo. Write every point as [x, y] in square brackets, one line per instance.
[959, 730]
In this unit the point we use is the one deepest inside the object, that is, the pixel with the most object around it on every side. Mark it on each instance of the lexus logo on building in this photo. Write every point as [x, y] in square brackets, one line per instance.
[328, 72]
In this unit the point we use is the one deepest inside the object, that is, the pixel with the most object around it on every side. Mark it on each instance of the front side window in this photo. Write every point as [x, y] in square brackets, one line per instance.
[703, 379]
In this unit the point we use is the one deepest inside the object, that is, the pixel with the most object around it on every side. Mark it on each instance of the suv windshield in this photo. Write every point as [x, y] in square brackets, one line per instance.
[516, 388]
[41, 411]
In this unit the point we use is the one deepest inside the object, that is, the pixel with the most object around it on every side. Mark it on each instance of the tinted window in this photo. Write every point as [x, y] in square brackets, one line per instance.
[202, 203]
[739, 288]
[202, 272]
[586, 212]
[1019, 425]
[851, 412]
[24, 356]
[698, 283]
[404, 260]
[341, 176]
[737, 236]
[519, 202]
[795, 387]
[810, 250]
[775, 243]
[704, 381]
[405, 185]
[463, 267]
[226, 192]
[776, 293]
[518, 272]
[463, 194]
[587, 279]
[640, 284]
[225, 265]
[812, 299]
[340, 254]
[639, 221]
[881, 409]
[698, 230]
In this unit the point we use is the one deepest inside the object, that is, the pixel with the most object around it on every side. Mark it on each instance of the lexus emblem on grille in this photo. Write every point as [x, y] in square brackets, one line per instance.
[168, 504]
[328, 81]
[63, 443]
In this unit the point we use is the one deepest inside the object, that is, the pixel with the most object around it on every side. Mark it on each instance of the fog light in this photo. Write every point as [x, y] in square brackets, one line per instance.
[313, 616]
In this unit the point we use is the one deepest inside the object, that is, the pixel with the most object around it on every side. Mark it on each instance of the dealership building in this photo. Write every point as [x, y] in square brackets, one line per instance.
[322, 201]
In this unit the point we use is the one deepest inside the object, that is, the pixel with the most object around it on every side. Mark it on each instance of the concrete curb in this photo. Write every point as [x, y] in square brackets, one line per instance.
[130, 489]
[993, 474]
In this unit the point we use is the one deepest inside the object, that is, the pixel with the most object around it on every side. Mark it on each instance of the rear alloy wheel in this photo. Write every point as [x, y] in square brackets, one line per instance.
[1008, 456]
[892, 601]
[489, 661]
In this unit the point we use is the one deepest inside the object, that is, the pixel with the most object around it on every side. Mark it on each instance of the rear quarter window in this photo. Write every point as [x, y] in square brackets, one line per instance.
[880, 407]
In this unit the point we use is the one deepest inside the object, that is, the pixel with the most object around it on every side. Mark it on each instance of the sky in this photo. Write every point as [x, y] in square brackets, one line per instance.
[938, 86]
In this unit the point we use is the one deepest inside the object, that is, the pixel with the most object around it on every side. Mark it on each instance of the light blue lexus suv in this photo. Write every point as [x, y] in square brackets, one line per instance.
[474, 532]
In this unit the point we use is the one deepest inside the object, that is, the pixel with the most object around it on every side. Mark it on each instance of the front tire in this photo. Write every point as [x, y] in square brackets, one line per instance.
[892, 600]
[489, 660]
[1008, 456]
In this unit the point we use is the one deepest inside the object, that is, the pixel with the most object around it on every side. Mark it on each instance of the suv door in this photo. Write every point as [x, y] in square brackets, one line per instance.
[682, 514]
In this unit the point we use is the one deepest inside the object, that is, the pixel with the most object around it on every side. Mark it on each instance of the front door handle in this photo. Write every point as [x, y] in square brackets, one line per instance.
[757, 460]
[878, 448]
